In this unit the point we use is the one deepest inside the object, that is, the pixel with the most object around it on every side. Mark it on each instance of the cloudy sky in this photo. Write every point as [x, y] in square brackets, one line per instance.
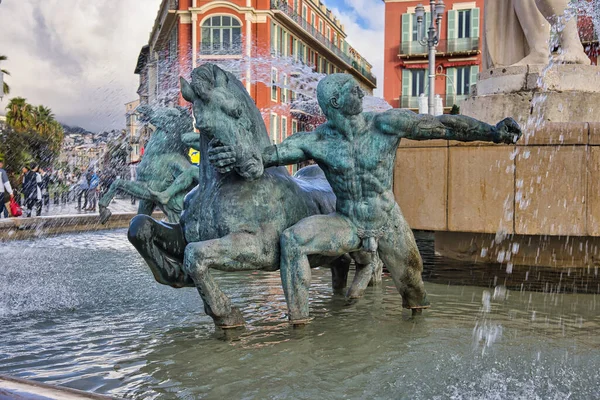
[77, 56]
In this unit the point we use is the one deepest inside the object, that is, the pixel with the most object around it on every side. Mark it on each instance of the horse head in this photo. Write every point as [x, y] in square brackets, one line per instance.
[224, 112]
[171, 121]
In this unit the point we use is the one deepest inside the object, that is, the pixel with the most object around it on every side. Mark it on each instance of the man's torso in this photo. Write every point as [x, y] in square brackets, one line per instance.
[359, 170]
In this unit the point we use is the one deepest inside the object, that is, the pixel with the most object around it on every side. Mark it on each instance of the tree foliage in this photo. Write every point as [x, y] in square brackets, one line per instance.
[5, 87]
[31, 135]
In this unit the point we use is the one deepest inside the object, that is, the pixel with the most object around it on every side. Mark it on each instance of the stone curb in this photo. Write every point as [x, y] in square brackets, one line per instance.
[35, 227]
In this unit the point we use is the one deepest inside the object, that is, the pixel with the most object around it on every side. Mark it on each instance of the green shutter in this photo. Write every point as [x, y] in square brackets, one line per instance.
[473, 79]
[452, 34]
[273, 38]
[475, 23]
[450, 86]
[426, 22]
[405, 85]
[406, 28]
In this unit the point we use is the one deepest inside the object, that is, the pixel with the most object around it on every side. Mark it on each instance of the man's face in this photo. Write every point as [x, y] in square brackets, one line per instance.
[351, 98]
[1, 164]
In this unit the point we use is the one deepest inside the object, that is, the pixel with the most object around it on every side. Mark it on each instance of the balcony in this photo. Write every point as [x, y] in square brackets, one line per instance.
[324, 41]
[449, 101]
[409, 102]
[444, 47]
[452, 99]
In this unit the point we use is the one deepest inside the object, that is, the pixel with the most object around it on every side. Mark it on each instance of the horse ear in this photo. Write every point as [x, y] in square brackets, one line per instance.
[186, 90]
[221, 78]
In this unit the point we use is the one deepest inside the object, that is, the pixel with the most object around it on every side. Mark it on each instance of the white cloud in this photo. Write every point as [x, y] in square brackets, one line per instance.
[76, 57]
[367, 37]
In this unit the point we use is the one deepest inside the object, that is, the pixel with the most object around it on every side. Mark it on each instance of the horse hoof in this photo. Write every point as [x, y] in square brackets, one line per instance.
[231, 321]
[105, 214]
[300, 322]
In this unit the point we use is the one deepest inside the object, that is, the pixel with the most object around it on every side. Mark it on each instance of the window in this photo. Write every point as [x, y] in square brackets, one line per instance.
[313, 20]
[414, 26]
[273, 128]
[284, 97]
[464, 24]
[274, 84]
[323, 65]
[321, 26]
[328, 33]
[417, 82]
[294, 126]
[335, 39]
[221, 34]
[463, 80]
[283, 129]
[304, 12]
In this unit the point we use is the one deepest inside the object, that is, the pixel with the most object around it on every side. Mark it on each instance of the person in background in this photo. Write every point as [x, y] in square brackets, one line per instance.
[31, 189]
[83, 191]
[93, 191]
[6, 192]
[45, 187]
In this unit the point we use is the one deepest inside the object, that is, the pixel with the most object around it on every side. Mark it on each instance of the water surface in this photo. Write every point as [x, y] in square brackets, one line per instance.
[84, 311]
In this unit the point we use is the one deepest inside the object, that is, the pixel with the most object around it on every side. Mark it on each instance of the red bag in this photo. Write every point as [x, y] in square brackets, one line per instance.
[15, 210]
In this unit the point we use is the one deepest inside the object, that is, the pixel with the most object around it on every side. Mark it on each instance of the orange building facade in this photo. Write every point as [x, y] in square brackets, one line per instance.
[263, 42]
[458, 56]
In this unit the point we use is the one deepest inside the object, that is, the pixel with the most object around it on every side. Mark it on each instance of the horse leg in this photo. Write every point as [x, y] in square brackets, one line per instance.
[367, 265]
[162, 246]
[234, 252]
[339, 273]
[146, 207]
[377, 279]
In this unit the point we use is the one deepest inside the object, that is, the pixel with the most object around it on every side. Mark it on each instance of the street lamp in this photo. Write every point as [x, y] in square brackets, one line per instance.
[437, 8]
[1, 81]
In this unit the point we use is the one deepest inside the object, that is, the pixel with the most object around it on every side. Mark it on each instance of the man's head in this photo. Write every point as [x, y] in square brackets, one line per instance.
[33, 167]
[1, 161]
[339, 93]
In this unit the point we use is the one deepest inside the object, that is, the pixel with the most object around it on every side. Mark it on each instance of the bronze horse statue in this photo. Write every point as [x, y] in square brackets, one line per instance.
[165, 159]
[232, 220]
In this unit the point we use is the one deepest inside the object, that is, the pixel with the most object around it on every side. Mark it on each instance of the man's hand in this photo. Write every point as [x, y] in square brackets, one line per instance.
[507, 131]
[220, 156]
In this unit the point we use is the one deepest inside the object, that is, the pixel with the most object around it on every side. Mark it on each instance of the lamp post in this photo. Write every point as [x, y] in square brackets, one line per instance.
[437, 8]
[1, 82]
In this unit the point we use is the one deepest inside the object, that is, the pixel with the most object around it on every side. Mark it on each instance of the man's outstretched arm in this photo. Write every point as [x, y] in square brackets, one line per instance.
[404, 123]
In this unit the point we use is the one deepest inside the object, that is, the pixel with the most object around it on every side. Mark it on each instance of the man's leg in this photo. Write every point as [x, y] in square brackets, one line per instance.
[537, 32]
[398, 251]
[328, 235]
[572, 49]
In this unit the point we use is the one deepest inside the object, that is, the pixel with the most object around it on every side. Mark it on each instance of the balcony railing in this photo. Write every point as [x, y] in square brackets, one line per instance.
[409, 102]
[452, 99]
[449, 100]
[287, 10]
[462, 45]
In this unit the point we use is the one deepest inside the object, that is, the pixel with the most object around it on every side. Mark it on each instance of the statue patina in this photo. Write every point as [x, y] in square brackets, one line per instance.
[165, 159]
[233, 219]
[357, 151]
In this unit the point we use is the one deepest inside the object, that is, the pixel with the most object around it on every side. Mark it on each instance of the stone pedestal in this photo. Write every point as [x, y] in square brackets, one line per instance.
[541, 196]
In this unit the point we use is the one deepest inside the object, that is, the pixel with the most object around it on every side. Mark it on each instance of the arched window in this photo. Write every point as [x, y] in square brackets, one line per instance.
[221, 34]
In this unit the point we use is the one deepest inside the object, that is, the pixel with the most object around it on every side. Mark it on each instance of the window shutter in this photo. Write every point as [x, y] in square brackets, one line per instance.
[475, 22]
[474, 72]
[452, 31]
[406, 28]
[405, 85]
[450, 86]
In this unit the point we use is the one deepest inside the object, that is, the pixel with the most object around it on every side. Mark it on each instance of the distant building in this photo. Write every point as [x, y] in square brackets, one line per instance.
[458, 57]
[248, 34]
[137, 134]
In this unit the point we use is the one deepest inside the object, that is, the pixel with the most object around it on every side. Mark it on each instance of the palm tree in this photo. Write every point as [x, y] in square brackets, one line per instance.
[5, 87]
[19, 114]
[42, 120]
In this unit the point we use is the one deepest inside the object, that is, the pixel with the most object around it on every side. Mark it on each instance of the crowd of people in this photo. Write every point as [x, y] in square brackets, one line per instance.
[36, 188]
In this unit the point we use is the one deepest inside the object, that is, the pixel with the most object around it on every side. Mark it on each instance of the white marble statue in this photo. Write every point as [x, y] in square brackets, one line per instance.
[517, 32]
